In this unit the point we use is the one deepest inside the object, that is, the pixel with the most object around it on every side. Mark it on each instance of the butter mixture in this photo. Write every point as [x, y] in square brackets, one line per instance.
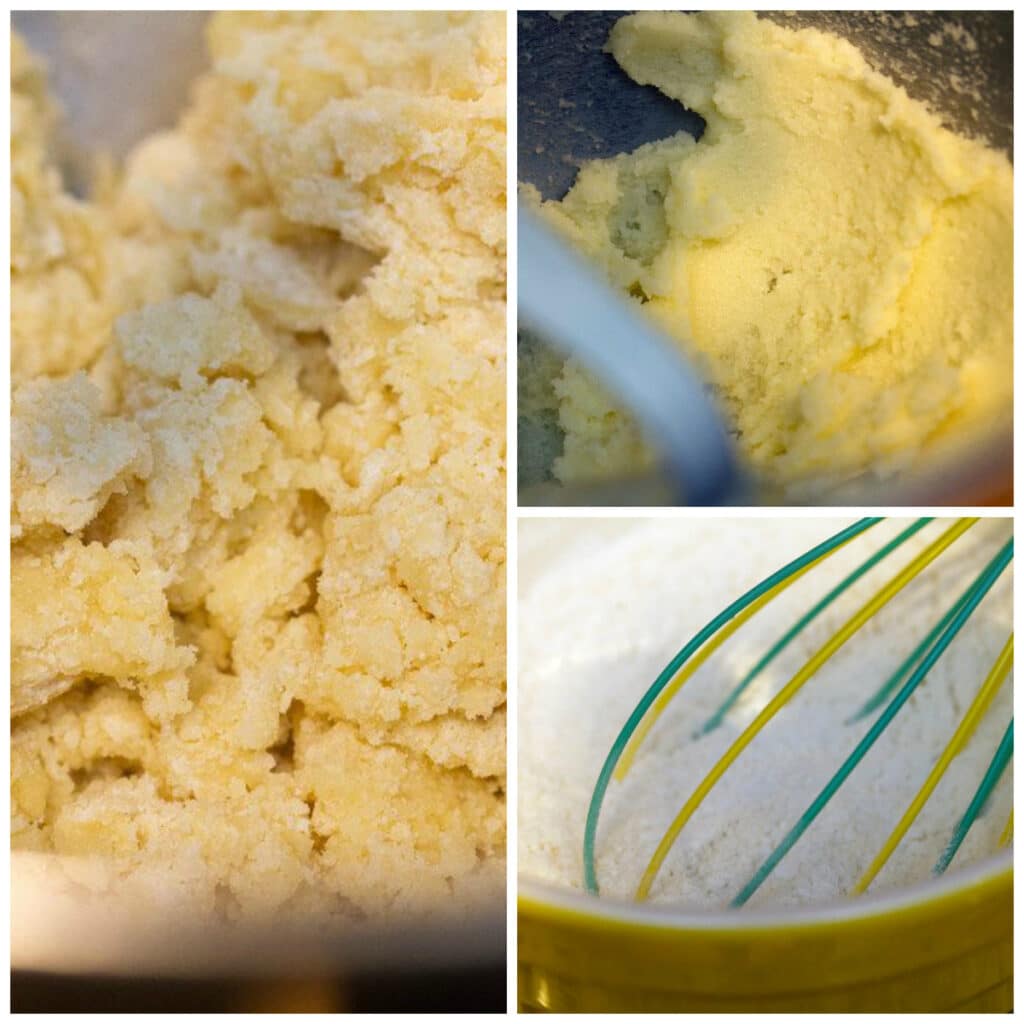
[258, 513]
[838, 264]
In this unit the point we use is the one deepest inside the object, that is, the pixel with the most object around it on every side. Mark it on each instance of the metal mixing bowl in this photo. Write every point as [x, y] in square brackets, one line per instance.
[120, 76]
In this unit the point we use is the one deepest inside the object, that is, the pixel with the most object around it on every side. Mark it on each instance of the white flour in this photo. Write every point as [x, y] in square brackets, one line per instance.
[603, 606]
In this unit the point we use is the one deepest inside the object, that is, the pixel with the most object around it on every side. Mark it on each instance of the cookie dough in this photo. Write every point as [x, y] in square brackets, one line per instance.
[838, 264]
[258, 497]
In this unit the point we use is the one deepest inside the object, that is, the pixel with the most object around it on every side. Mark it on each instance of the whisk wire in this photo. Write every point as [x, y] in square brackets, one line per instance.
[686, 672]
[979, 589]
[865, 613]
[1007, 837]
[994, 772]
[996, 676]
[802, 623]
[670, 670]
[887, 689]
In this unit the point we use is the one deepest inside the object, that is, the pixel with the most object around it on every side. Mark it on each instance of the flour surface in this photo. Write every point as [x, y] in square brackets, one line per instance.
[604, 604]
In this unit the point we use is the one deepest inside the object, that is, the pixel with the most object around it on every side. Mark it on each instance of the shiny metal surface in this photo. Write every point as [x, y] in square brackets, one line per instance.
[563, 300]
[118, 75]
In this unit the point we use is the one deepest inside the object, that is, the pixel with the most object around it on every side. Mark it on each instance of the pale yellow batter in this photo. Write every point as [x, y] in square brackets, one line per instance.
[258, 511]
[839, 264]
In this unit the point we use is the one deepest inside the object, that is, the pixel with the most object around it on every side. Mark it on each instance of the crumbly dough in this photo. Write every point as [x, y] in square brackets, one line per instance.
[258, 481]
[838, 263]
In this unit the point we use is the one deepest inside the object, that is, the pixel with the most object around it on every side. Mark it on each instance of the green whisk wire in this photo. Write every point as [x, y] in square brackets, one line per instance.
[887, 688]
[1003, 754]
[723, 709]
[669, 672]
[976, 592]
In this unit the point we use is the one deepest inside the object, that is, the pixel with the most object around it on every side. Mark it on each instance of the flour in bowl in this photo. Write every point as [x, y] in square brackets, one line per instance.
[604, 604]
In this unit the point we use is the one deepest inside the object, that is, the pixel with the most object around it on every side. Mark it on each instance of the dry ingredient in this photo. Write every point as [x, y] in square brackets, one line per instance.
[604, 604]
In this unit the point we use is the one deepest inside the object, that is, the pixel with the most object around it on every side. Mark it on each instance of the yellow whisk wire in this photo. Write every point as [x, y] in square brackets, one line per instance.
[1007, 836]
[666, 695]
[869, 609]
[997, 674]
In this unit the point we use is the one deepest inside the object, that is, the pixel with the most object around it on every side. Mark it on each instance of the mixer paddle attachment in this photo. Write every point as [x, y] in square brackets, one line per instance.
[894, 693]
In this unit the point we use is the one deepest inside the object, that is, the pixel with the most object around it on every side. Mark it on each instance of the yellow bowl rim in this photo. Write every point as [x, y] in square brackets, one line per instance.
[545, 900]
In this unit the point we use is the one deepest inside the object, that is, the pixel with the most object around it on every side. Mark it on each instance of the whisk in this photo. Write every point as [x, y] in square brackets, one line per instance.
[893, 694]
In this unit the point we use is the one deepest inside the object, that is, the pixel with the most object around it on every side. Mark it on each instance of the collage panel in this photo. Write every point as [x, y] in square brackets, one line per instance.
[765, 259]
[764, 764]
[258, 664]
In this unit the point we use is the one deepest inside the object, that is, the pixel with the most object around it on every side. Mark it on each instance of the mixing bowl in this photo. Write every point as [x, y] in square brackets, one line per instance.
[575, 104]
[119, 76]
[944, 945]
[919, 944]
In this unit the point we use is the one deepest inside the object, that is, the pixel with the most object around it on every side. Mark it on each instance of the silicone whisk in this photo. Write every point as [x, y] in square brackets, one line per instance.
[886, 702]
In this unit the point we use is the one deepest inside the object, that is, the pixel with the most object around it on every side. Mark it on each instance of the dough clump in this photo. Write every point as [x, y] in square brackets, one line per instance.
[838, 263]
[258, 477]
